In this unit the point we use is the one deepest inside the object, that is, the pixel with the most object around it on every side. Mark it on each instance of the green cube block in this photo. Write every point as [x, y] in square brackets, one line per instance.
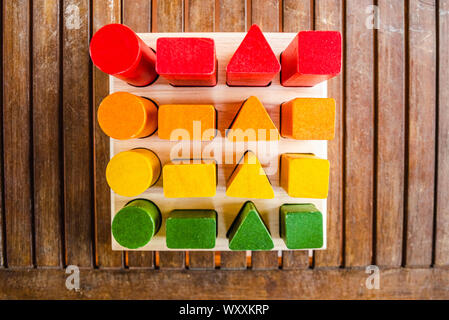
[248, 231]
[301, 226]
[191, 229]
[136, 223]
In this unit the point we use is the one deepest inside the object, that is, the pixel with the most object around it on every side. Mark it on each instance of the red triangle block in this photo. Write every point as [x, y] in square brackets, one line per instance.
[254, 63]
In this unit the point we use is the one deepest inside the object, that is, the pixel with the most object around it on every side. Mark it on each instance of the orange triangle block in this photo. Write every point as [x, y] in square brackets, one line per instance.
[252, 123]
[254, 63]
[249, 180]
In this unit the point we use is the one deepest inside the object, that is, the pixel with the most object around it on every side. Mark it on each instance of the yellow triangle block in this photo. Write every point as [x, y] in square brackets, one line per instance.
[249, 180]
[252, 123]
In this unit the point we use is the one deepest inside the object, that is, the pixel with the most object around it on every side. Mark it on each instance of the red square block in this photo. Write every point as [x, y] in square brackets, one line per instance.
[254, 63]
[312, 57]
[187, 61]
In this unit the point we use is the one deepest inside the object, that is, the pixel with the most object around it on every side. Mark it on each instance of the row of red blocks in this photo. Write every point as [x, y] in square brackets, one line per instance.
[312, 57]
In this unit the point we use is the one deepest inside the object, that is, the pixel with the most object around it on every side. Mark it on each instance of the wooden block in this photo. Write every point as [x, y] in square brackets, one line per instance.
[312, 57]
[116, 50]
[248, 180]
[187, 61]
[254, 63]
[129, 173]
[190, 179]
[305, 176]
[248, 231]
[187, 122]
[301, 226]
[308, 119]
[191, 229]
[252, 123]
[122, 116]
[136, 223]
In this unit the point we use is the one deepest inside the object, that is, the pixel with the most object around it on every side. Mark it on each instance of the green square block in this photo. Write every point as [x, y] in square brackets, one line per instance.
[191, 229]
[301, 226]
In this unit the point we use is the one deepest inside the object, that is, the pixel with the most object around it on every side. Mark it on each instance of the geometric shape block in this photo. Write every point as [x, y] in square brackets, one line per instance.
[248, 231]
[116, 50]
[187, 61]
[190, 179]
[122, 116]
[248, 180]
[191, 229]
[129, 173]
[308, 119]
[312, 57]
[136, 223]
[252, 123]
[301, 226]
[254, 63]
[187, 122]
[305, 176]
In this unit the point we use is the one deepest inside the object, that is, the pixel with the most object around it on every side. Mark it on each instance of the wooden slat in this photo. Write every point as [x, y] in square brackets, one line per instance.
[167, 15]
[199, 15]
[77, 120]
[2, 211]
[141, 23]
[442, 229]
[137, 15]
[333, 283]
[298, 15]
[169, 19]
[46, 133]
[421, 133]
[266, 15]
[292, 260]
[103, 12]
[390, 134]
[232, 19]
[231, 16]
[17, 139]
[359, 135]
[329, 16]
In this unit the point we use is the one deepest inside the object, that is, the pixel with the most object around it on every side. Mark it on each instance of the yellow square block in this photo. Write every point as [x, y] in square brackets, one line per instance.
[305, 176]
[190, 179]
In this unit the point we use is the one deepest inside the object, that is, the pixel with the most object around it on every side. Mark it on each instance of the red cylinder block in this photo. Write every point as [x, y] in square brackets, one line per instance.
[187, 61]
[254, 63]
[312, 57]
[116, 50]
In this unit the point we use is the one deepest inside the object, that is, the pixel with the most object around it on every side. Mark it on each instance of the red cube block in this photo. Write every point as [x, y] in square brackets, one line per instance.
[116, 50]
[187, 61]
[312, 57]
[254, 63]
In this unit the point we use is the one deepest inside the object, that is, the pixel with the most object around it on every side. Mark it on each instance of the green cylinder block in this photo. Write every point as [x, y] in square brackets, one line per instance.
[136, 223]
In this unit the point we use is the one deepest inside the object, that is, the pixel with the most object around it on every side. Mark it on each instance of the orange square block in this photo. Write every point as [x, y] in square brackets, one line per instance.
[187, 122]
[308, 119]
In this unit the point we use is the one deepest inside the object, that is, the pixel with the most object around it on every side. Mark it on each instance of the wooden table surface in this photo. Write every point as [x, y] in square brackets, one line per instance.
[388, 202]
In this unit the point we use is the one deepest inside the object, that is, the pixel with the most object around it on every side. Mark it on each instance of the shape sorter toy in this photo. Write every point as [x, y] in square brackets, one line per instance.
[227, 101]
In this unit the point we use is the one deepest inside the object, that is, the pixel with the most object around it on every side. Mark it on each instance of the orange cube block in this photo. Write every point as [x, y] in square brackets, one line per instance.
[308, 119]
[187, 122]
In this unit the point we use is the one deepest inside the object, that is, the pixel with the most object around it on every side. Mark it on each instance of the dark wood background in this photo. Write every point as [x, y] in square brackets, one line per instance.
[388, 202]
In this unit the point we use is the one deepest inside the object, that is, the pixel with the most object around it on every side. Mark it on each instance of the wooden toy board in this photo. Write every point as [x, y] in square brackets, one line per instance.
[227, 101]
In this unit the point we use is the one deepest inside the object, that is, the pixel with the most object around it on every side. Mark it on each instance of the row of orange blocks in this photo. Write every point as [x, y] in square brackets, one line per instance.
[132, 172]
[123, 115]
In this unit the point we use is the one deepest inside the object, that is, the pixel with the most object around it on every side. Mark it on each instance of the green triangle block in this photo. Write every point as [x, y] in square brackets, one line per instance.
[301, 226]
[248, 231]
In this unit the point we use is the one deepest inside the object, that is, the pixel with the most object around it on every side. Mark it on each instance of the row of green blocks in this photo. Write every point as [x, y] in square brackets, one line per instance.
[301, 227]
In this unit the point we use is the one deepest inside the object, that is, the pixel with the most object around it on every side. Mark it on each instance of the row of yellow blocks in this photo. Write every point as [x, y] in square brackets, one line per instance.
[132, 172]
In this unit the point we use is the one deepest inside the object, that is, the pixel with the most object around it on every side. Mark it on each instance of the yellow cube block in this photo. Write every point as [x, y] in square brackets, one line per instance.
[190, 179]
[305, 176]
